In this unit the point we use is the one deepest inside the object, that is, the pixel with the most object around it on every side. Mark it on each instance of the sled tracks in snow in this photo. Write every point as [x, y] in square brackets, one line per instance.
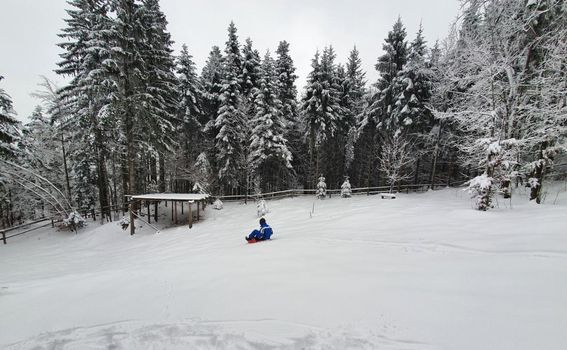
[245, 334]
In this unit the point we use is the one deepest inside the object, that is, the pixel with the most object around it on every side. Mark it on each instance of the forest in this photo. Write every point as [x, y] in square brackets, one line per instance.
[485, 108]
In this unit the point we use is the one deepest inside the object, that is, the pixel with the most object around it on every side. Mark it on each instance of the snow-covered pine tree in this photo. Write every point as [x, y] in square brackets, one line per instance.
[389, 65]
[230, 121]
[8, 125]
[354, 103]
[211, 82]
[269, 157]
[321, 110]
[313, 119]
[250, 81]
[86, 98]
[262, 208]
[287, 94]
[413, 108]
[346, 191]
[155, 126]
[376, 120]
[202, 174]
[250, 70]
[333, 149]
[190, 94]
[321, 192]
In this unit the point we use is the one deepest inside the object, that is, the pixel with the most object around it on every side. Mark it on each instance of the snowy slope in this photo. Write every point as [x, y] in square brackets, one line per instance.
[423, 271]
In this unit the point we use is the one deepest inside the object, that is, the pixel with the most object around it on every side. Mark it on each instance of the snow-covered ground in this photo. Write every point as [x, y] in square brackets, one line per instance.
[423, 271]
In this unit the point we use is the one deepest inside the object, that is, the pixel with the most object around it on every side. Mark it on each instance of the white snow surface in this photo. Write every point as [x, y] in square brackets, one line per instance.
[424, 271]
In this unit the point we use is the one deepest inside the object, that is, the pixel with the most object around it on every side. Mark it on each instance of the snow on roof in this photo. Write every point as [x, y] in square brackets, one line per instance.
[172, 196]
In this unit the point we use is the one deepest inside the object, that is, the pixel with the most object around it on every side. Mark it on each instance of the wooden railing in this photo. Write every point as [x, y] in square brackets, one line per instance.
[5, 232]
[330, 192]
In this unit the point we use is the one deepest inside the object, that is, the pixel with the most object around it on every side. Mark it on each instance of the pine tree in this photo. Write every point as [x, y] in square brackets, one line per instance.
[8, 125]
[346, 191]
[321, 192]
[413, 110]
[86, 97]
[269, 157]
[211, 80]
[377, 118]
[155, 123]
[230, 121]
[355, 87]
[389, 65]
[320, 108]
[356, 82]
[250, 71]
[287, 94]
[189, 108]
[250, 83]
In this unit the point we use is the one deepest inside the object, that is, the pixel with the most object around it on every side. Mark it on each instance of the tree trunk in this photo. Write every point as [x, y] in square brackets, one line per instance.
[161, 172]
[538, 173]
[67, 183]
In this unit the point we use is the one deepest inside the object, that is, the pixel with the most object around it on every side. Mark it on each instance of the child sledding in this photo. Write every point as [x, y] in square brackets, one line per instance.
[264, 233]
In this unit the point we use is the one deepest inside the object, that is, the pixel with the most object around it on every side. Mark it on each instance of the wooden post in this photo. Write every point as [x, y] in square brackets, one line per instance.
[198, 210]
[149, 214]
[4, 237]
[155, 211]
[175, 211]
[132, 229]
[190, 216]
[181, 208]
[171, 211]
[52, 223]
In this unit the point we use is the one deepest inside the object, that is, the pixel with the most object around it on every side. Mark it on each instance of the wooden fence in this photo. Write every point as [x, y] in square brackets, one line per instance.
[330, 192]
[5, 232]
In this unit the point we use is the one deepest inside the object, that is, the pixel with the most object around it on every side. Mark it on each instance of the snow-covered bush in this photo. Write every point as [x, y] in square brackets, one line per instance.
[201, 174]
[218, 205]
[124, 222]
[74, 221]
[346, 191]
[481, 190]
[262, 208]
[321, 188]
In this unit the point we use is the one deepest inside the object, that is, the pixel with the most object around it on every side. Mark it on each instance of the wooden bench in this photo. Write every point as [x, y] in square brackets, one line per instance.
[387, 195]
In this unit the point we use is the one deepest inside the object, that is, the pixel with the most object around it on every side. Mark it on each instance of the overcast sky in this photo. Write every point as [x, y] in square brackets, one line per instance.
[29, 28]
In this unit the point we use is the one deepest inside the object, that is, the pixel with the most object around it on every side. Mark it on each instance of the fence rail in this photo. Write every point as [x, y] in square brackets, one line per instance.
[5, 235]
[330, 192]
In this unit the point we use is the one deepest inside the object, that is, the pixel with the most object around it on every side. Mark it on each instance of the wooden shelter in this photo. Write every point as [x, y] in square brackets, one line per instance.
[191, 199]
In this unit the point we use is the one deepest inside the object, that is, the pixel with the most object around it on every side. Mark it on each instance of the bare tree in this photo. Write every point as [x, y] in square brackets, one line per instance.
[395, 159]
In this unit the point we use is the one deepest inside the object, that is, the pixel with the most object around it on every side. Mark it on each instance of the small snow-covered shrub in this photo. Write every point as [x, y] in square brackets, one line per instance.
[481, 189]
[124, 222]
[218, 205]
[262, 208]
[74, 221]
[346, 191]
[321, 188]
